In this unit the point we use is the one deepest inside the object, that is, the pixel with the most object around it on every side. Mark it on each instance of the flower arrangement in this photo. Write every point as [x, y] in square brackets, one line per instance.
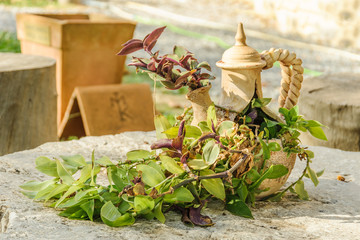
[189, 165]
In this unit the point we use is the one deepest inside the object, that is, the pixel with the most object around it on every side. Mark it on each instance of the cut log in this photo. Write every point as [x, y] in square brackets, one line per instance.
[333, 100]
[27, 101]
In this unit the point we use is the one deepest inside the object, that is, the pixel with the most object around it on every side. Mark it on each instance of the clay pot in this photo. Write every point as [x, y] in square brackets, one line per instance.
[200, 102]
[276, 158]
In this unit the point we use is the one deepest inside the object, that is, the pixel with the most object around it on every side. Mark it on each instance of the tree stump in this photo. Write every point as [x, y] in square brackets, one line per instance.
[333, 100]
[27, 101]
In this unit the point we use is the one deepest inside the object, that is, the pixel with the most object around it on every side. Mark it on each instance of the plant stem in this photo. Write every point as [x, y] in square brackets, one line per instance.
[300, 178]
[227, 173]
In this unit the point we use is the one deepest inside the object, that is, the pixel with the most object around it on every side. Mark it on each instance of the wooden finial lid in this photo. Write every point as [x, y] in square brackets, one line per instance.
[240, 38]
[240, 56]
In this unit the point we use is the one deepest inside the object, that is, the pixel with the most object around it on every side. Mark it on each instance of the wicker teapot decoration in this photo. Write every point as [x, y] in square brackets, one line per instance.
[241, 67]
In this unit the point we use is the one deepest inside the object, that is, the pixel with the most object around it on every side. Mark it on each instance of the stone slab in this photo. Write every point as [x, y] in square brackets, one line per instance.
[333, 212]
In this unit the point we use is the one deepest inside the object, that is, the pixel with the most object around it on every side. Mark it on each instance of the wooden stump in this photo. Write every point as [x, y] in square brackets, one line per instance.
[27, 101]
[333, 100]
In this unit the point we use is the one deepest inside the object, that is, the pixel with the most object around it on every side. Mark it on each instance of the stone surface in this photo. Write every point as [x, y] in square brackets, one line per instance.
[333, 100]
[333, 212]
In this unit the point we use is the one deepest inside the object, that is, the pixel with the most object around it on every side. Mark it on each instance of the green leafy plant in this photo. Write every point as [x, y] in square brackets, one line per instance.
[195, 164]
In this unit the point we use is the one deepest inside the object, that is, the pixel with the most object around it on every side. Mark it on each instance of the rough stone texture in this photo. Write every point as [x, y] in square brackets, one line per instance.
[333, 212]
[27, 101]
[333, 100]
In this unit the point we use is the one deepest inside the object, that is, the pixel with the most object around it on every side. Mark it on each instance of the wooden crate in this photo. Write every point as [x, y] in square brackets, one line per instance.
[108, 109]
[84, 47]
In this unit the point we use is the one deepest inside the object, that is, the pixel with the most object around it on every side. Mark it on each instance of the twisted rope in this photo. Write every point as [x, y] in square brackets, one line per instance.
[291, 73]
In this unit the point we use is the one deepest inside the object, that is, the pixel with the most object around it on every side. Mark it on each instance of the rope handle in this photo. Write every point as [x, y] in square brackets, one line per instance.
[291, 73]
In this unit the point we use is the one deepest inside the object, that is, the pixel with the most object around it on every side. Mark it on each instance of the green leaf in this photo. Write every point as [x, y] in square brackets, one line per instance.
[242, 191]
[137, 155]
[313, 123]
[293, 113]
[75, 160]
[274, 147]
[237, 207]
[180, 51]
[313, 176]
[273, 172]
[260, 102]
[104, 161]
[270, 123]
[88, 207]
[225, 128]
[117, 179]
[266, 150]
[70, 191]
[210, 152]
[44, 192]
[277, 171]
[211, 116]
[320, 173]
[143, 204]
[197, 164]
[300, 190]
[158, 213]
[190, 132]
[150, 175]
[60, 188]
[205, 65]
[285, 113]
[318, 133]
[181, 194]
[47, 166]
[157, 167]
[111, 216]
[161, 125]
[310, 154]
[171, 165]
[36, 186]
[214, 185]
[63, 173]
[253, 175]
[204, 127]
[85, 173]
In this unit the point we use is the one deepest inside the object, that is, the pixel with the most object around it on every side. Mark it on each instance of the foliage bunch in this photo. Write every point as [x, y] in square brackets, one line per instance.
[216, 159]
[173, 70]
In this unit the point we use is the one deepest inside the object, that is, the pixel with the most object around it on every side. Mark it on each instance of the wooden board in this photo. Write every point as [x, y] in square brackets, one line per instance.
[108, 109]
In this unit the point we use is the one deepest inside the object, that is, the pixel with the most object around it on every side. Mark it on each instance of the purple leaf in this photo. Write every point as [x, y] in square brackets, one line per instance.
[198, 219]
[207, 136]
[151, 66]
[162, 143]
[151, 46]
[137, 64]
[184, 158]
[181, 131]
[184, 77]
[177, 143]
[184, 61]
[130, 48]
[253, 114]
[131, 41]
[153, 36]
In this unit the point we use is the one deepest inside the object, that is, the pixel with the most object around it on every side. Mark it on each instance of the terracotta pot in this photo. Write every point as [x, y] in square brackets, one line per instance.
[276, 158]
[200, 102]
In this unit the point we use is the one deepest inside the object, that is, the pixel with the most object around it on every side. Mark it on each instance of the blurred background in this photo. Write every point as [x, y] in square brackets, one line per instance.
[324, 34]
